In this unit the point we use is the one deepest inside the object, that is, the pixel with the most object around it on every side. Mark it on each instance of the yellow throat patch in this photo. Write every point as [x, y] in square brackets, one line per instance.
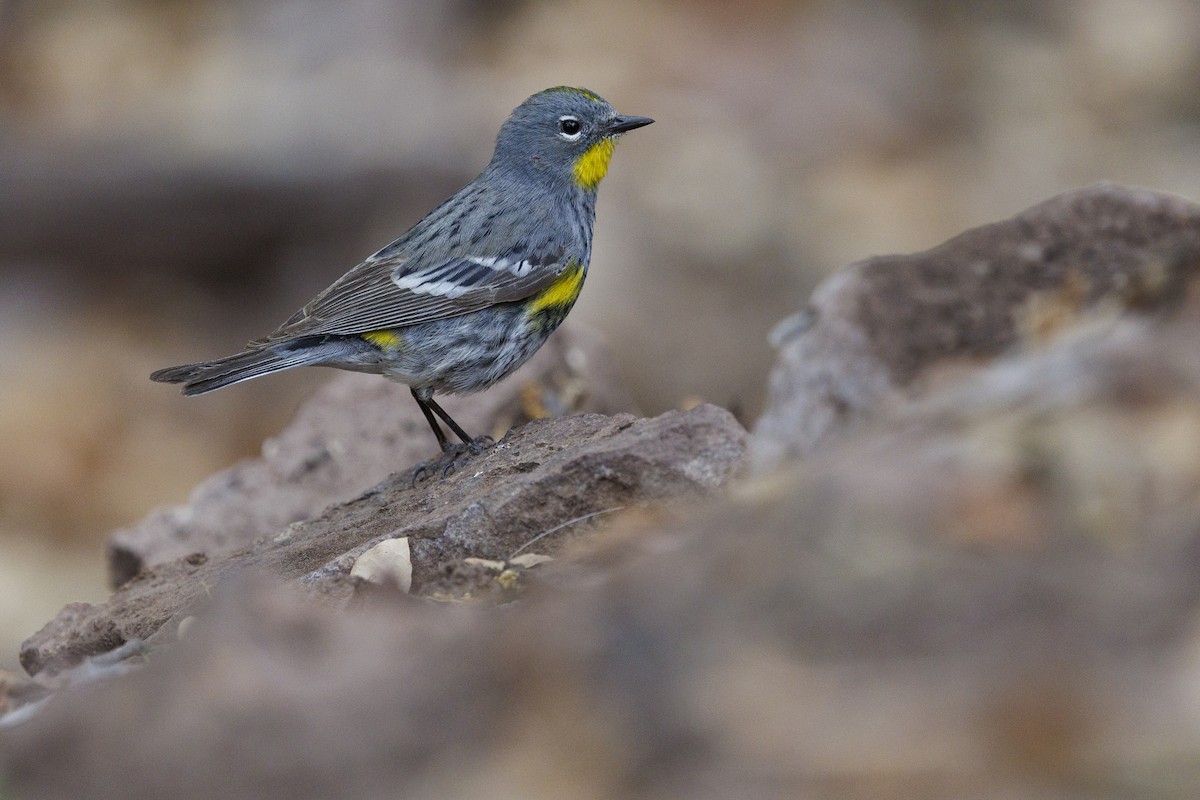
[591, 167]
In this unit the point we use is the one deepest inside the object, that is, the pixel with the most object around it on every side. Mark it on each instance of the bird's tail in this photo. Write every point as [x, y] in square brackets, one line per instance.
[208, 375]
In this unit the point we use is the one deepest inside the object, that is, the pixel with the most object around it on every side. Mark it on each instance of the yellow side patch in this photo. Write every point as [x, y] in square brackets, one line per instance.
[384, 340]
[591, 167]
[561, 293]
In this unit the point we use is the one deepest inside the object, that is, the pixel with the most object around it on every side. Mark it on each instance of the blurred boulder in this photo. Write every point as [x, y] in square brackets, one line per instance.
[993, 596]
[883, 331]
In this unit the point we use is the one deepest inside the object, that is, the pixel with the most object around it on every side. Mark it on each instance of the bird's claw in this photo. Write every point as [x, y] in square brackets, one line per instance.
[480, 444]
[453, 456]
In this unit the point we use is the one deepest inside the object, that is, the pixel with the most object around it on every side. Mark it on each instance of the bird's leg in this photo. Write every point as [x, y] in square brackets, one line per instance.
[475, 445]
[437, 429]
[453, 454]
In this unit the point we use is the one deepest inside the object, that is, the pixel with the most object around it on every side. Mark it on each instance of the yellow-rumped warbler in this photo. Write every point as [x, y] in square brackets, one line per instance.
[473, 289]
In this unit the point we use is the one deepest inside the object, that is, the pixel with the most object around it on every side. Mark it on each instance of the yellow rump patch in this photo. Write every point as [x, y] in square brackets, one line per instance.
[591, 167]
[385, 340]
[561, 293]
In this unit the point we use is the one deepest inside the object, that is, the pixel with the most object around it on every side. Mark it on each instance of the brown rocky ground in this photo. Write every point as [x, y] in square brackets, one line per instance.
[983, 585]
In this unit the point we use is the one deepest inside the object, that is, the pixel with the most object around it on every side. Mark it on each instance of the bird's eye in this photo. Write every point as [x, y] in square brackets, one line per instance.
[570, 127]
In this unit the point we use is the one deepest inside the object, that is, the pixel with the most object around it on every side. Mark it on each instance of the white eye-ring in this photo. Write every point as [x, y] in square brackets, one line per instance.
[570, 128]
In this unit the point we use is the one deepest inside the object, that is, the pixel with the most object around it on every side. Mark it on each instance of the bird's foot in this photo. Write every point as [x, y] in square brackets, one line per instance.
[454, 456]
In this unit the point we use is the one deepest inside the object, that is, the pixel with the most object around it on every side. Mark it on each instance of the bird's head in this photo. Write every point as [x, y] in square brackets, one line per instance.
[565, 132]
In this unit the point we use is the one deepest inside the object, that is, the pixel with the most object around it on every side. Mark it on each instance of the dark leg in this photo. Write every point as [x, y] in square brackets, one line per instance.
[441, 412]
[437, 429]
[452, 454]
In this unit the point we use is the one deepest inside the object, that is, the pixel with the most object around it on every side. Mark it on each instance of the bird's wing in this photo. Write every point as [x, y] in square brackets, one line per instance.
[390, 292]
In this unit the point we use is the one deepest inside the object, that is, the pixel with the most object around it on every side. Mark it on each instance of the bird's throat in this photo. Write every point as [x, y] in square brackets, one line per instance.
[591, 167]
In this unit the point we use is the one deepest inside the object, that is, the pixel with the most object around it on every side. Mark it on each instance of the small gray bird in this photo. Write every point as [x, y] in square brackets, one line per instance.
[472, 290]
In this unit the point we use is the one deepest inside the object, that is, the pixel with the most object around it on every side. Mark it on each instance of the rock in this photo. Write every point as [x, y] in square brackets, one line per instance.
[880, 331]
[78, 627]
[994, 596]
[988, 590]
[349, 437]
[559, 476]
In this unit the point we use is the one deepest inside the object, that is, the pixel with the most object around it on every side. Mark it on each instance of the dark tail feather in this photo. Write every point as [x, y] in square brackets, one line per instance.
[209, 375]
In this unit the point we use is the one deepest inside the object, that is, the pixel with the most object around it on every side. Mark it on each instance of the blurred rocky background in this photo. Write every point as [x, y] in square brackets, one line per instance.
[954, 555]
[177, 176]
[961, 563]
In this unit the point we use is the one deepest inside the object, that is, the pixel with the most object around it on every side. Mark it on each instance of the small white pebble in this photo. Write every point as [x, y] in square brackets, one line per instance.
[388, 561]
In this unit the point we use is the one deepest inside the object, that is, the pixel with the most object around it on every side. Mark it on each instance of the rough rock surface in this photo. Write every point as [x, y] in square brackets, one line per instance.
[544, 475]
[351, 435]
[989, 592]
[994, 597]
[878, 331]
